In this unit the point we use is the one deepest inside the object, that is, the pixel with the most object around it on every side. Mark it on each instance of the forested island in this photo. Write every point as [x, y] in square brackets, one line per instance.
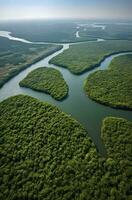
[16, 56]
[48, 80]
[46, 154]
[86, 56]
[112, 87]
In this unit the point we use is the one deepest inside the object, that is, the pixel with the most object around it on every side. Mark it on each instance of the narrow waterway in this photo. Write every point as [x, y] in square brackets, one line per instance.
[89, 113]
[77, 34]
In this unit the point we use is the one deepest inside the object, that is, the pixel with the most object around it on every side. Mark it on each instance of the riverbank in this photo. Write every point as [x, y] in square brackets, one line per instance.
[8, 71]
[77, 104]
[81, 58]
[47, 80]
[113, 86]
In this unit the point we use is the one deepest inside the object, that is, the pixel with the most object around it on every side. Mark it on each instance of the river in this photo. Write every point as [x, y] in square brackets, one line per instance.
[89, 113]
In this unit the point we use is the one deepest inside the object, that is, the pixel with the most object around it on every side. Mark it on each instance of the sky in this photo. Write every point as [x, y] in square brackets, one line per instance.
[65, 9]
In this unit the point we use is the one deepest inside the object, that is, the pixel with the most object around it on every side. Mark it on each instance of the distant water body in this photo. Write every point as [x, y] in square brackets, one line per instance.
[86, 26]
[89, 113]
[94, 25]
[77, 34]
[7, 34]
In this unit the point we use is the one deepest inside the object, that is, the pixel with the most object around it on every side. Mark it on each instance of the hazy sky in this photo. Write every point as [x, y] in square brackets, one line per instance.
[28, 9]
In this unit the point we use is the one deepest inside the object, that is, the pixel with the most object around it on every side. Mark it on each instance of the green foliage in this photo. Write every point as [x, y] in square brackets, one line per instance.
[81, 57]
[44, 31]
[46, 154]
[117, 132]
[112, 87]
[47, 80]
[112, 31]
[65, 30]
[16, 56]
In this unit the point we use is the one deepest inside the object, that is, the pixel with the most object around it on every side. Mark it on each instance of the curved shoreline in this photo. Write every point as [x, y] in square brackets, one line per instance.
[117, 107]
[77, 104]
[28, 65]
[108, 104]
[46, 92]
[47, 80]
[8, 35]
[92, 66]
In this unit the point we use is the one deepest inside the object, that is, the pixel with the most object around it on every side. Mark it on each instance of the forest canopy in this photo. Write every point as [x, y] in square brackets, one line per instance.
[112, 87]
[86, 56]
[48, 80]
[16, 56]
[46, 154]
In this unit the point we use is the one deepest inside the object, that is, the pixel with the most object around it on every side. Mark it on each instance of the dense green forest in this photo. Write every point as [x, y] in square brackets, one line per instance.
[116, 134]
[65, 30]
[112, 87]
[47, 80]
[45, 31]
[16, 56]
[46, 154]
[85, 56]
[111, 31]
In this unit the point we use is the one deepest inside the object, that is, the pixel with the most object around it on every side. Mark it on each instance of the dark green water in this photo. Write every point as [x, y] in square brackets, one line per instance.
[89, 113]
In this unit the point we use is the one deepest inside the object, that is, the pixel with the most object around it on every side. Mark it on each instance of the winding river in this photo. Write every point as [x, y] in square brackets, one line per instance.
[89, 113]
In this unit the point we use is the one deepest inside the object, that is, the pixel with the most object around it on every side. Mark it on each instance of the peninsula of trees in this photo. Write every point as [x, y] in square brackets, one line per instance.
[48, 80]
[112, 87]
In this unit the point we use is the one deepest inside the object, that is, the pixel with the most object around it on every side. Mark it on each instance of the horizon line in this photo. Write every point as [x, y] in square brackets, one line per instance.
[65, 18]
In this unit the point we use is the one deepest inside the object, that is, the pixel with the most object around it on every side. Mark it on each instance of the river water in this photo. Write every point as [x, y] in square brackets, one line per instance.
[89, 113]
